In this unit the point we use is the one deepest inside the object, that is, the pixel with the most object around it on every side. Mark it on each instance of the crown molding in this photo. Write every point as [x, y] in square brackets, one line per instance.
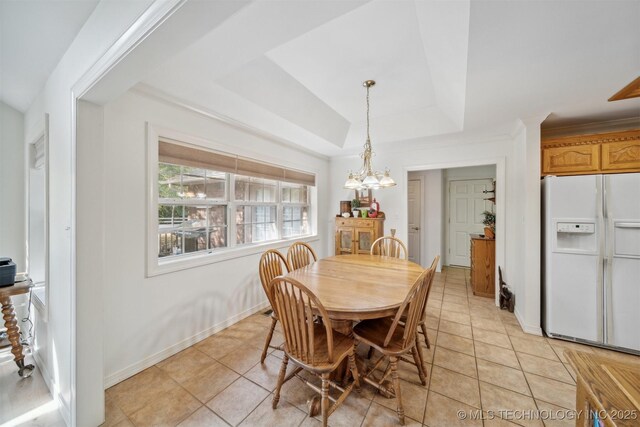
[592, 139]
[628, 123]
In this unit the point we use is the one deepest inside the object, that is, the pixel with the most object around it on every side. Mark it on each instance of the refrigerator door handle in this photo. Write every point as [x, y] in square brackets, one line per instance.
[627, 225]
[608, 264]
[601, 251]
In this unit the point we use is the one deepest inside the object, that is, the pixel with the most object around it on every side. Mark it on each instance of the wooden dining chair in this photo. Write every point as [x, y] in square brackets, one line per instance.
[310, 345]
[422, 324]
[272, 264]
[423, 320]
[394, 340]
[300, 254]
[389, 246]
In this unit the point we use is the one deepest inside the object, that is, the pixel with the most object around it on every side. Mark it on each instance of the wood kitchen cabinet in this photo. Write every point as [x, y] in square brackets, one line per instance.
[483, 266]
[356, 235]
[612, 152]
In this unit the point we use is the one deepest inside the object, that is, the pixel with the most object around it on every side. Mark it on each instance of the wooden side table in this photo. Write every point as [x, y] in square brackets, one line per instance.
[483, 256]
[13, 332]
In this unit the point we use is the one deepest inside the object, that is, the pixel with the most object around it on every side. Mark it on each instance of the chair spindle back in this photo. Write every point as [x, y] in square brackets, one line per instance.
[300, 254]
[294, 305]
[389, 246]
[434, 266]
[413, 305]
[272, 264]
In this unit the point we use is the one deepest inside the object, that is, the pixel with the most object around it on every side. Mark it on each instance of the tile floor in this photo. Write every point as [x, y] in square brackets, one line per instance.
[480, 359]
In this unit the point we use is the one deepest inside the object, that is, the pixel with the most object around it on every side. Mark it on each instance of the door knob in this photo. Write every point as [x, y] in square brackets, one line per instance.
[415, 228]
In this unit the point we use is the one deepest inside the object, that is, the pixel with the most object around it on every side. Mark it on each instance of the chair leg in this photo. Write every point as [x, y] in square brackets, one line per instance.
[396, 388]
[354, 370]
[324, 402]
[268, 341]
[420, 355]
[283, 371]
[419, 365]
[424, 331]
[370, 353]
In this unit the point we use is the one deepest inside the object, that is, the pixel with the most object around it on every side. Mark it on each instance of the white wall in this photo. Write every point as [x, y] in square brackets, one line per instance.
[109, 21]
[459, 151]
[148, 319]
[12, 186]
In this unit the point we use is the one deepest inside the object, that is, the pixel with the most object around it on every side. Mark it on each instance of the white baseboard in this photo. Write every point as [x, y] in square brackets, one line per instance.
[533, 330]
[140, 366]
[63, 406]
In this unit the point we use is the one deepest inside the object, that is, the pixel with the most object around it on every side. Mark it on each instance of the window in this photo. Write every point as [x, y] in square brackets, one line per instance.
[204, 205]
[192, 211]
[295, 210]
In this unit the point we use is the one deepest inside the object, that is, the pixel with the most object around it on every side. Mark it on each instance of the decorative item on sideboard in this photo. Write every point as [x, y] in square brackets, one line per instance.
[345, 207]
[489, 222]
[355, 204]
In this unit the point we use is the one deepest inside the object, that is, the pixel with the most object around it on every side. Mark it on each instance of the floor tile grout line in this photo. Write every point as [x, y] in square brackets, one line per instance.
[475, 359]
[254, 409]
[526, 380]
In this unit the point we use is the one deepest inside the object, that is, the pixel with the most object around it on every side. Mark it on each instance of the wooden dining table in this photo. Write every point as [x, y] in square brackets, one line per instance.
[359, 287]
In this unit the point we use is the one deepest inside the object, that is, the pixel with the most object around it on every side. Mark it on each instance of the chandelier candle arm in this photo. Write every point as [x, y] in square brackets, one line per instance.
[367, 177]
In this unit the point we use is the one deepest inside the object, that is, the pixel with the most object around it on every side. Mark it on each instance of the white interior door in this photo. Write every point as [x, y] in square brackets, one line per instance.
[466, 204]
[414, 197]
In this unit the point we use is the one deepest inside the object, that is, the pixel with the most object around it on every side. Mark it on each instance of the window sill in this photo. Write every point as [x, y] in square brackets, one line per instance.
[170, 266]
[39, 294]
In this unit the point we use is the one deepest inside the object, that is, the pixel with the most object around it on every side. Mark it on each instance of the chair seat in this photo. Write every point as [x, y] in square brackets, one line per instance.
[342, 345]
[373, 332]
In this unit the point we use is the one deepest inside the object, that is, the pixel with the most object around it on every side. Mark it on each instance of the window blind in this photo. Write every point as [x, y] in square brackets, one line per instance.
[180, 154]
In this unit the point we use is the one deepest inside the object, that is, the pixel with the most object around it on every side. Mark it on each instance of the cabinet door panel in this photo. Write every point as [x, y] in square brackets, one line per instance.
[568, 160]
[364, 239]
[344, 240]
[621, 156]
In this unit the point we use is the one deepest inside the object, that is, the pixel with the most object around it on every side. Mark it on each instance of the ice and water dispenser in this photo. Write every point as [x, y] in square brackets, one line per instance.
[575, 237]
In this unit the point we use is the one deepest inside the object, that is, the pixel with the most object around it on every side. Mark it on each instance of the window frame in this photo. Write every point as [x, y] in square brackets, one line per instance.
[157, 265]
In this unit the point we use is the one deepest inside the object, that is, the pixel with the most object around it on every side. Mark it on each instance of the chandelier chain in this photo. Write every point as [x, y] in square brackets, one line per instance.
[368, 138]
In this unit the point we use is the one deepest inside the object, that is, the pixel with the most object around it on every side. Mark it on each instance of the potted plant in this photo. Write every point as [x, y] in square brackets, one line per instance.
[489, 222]
[355, 204]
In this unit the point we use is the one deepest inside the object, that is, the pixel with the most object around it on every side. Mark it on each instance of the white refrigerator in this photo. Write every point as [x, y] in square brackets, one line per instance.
[591, 259]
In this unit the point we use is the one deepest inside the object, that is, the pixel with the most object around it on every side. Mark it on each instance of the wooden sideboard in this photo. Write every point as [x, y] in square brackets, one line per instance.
[483, 255]
[356, 235]
[602, 153]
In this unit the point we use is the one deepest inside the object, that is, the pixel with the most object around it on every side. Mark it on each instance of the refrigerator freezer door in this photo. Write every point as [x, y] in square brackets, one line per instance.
[572, 260]
[622, 271]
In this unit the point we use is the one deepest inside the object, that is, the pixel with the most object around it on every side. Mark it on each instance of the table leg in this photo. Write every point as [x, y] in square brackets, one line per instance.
[13, 333]
[341, 374]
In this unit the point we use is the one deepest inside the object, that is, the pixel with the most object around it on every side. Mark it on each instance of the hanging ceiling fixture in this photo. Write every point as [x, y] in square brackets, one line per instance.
[367, 177]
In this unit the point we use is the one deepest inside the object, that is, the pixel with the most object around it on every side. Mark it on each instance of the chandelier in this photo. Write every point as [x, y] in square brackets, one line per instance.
[367, 177]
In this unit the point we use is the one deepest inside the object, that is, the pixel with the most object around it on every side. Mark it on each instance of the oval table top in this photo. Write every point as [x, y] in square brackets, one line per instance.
[358, 287]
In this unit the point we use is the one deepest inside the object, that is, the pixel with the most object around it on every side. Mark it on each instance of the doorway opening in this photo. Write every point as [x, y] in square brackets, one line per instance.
[445, 208]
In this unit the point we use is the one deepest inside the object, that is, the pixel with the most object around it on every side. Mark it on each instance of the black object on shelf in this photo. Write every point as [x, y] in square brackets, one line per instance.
[7, 272]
